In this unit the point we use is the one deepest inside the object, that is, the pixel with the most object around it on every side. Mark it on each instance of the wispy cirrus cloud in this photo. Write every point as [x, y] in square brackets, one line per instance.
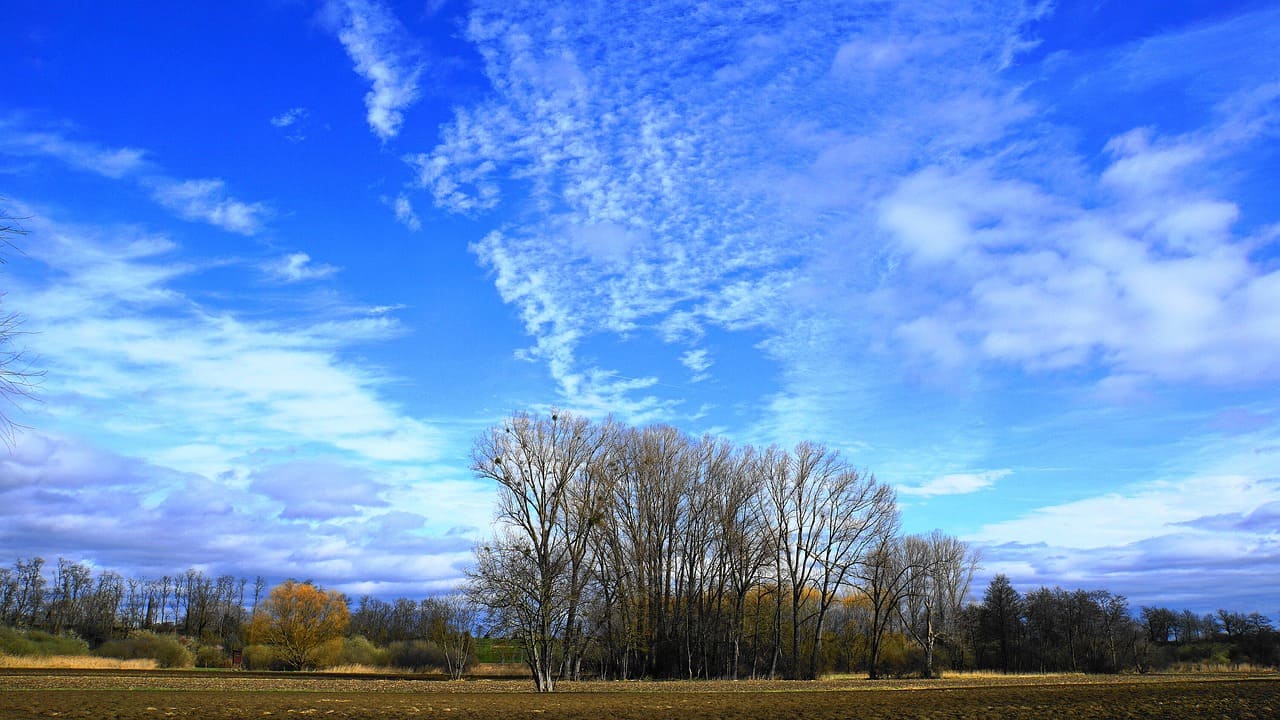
[293, 123]
[120, 341]
[955, 484]
[207, 201]
[109, 162]
[289, 117]
[379, 46]
[405, 214]
[878, 196]
[856, 210]
[198, 200]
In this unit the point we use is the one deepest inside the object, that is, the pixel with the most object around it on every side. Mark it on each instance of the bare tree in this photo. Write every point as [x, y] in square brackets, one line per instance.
[650, 468]
[451, 619]
[883, 579]
[826, 515]
[541, 466]
[940, 568]
[744, 541]
[18, 378]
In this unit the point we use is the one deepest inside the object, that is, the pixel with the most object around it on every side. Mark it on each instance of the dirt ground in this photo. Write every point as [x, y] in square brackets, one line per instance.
[194, 694]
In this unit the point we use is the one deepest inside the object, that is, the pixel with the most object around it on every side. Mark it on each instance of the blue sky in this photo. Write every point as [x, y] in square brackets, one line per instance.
[285, 260]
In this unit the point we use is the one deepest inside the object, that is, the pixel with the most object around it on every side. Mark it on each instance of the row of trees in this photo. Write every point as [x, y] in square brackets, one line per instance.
[655, 554]
[1051, 630]
[296, 625]
[1096, 631]
[69, 597]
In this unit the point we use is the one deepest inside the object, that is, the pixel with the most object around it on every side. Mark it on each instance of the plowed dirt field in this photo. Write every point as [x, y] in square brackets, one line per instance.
[153, 695]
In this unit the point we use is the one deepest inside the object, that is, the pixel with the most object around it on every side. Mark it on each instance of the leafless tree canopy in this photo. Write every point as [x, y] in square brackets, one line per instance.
[655, 554]
[18, 377]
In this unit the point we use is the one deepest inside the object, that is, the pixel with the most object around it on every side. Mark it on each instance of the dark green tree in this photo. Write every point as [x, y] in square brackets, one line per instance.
[1002, 619]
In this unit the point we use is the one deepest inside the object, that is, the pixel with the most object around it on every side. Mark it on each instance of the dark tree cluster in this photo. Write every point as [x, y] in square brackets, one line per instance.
[1095, 631]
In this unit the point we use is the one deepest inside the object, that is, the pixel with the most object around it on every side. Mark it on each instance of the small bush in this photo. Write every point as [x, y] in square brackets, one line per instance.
[260, 657]
[211, 656]
[358, 650]
[37, 642]
[416, 655]
[166, 650]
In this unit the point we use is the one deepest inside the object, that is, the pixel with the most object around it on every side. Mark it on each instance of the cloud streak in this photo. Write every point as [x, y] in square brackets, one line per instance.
[207, 201]
[198, 200]
[955, 484]
[377, 43]
[119, 341]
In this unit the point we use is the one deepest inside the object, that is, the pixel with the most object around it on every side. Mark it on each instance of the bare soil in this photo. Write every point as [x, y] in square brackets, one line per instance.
[223, 695]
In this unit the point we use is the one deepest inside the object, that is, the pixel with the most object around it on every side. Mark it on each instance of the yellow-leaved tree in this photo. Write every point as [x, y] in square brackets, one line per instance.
[302, 624]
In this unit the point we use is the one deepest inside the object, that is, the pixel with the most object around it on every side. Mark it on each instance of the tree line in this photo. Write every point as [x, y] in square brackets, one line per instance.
[68, 597]
[1096, 631]
[220, 621]
[645, 552]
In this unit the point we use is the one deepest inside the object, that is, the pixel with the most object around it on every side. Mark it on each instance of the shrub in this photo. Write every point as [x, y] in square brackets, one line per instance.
[416, 655]
[211, 656]
[166, 650]
[260, 657]
[37, 642]
[358, 650]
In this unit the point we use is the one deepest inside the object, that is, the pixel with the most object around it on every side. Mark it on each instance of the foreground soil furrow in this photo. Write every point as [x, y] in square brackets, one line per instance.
[226, 697]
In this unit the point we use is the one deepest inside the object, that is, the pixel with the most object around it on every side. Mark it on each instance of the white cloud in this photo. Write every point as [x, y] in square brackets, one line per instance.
[114, 163]
[203, 200]
[291, 455]
[207, 201]
[375, 41]
[297, 267]
[343, 526]
[289, 117]
[120, 343]
[405, 214]
[319, 490]
[1202, 541]
[293, 122]
[871, 190]
[1155, 284]
[699, 361]
[955, 484]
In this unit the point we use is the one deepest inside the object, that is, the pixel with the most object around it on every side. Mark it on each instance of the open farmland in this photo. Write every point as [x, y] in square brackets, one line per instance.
[124, 694]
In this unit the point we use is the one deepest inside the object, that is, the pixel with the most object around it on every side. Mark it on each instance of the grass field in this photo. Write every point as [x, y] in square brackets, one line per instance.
[127, 694]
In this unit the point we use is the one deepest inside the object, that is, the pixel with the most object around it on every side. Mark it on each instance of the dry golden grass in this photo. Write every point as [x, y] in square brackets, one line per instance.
[1207, 667]
[357, 669]
[73, 662]
[512, 670]
[984, 674]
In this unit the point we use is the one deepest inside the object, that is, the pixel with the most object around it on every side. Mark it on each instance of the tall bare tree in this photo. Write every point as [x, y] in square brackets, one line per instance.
[542, 467]
[826, 515]
[18, 378]
[940, 569]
